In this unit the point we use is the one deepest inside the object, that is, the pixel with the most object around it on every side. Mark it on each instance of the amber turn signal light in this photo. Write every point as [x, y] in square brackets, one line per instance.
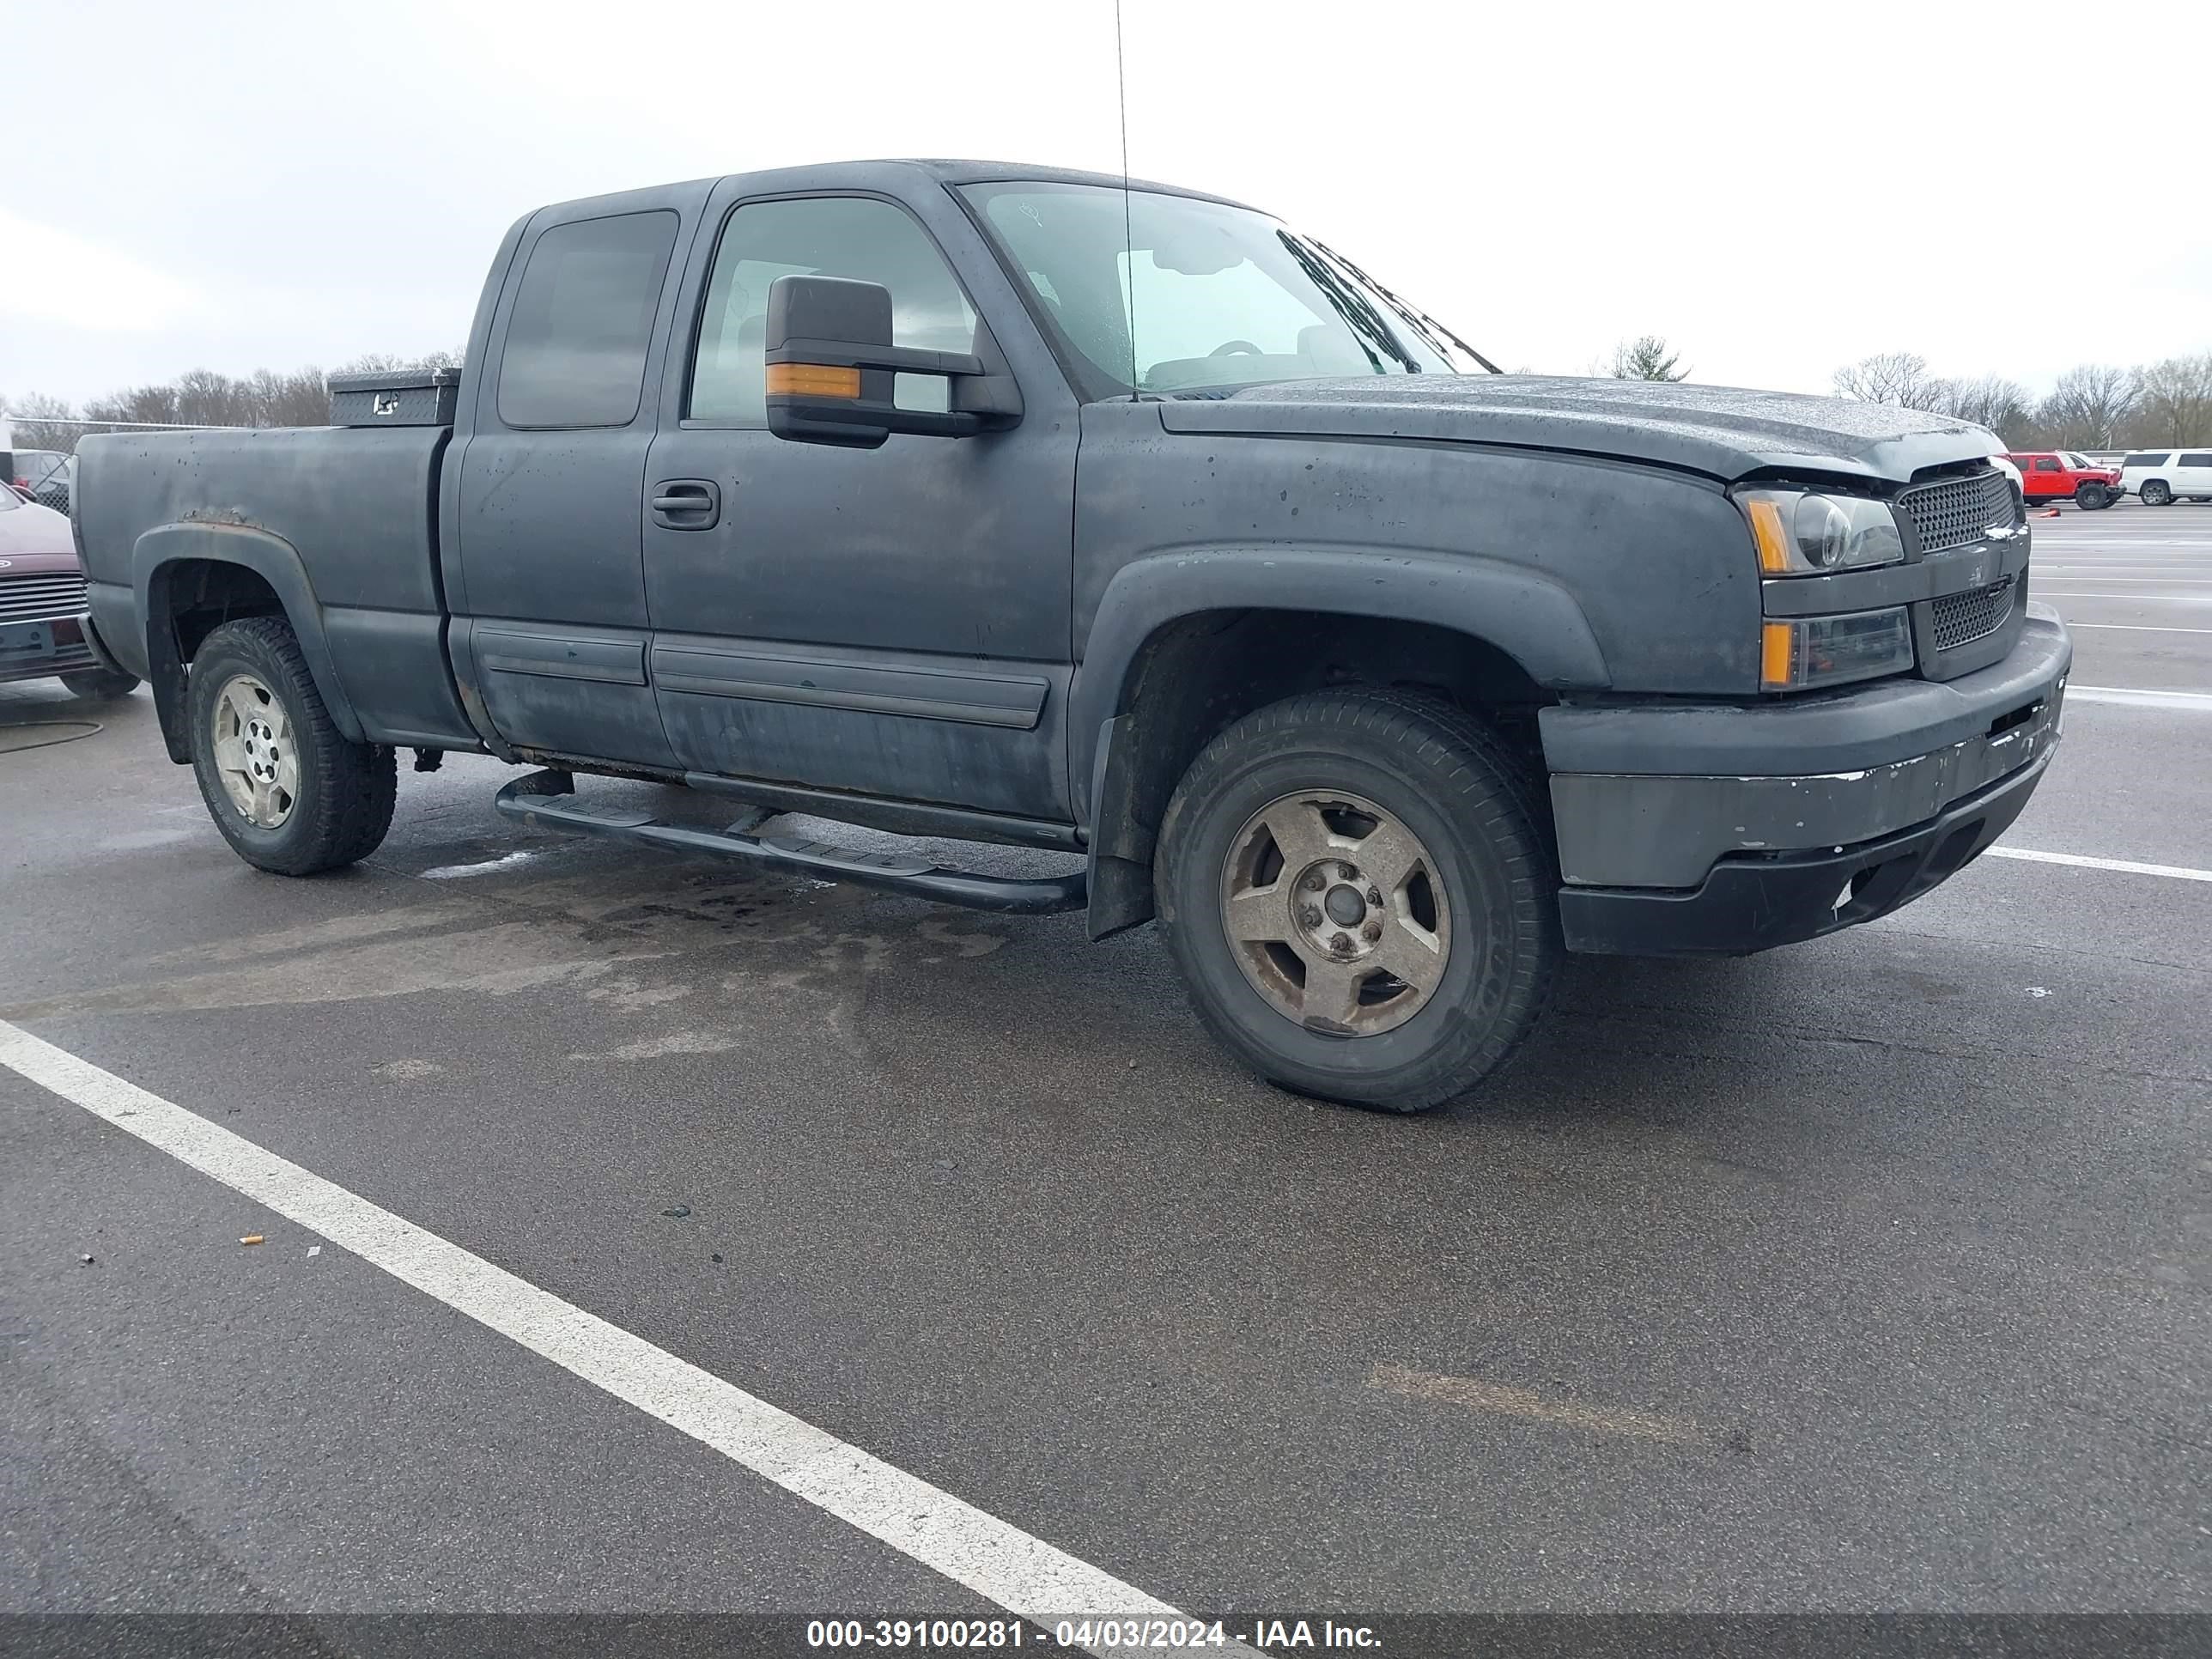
[1772, 537]
[812, 380]
[1776, 653]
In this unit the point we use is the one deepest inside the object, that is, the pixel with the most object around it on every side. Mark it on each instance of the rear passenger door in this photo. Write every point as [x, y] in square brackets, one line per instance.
[547, 497]
[2195, 468]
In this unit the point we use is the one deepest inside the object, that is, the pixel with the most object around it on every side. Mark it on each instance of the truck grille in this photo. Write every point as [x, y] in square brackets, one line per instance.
[36, 599]
[1962, 618]
[1957, 511]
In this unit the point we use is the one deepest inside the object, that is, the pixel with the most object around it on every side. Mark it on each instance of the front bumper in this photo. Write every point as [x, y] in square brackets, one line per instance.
[66, 655]
[1718, 829]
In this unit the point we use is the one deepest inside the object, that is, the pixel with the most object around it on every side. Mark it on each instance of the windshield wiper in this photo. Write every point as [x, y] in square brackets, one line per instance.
[1412, 313]
[1352, 305]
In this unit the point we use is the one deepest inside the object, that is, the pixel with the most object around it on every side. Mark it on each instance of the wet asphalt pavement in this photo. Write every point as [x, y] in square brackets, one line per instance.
[1871, 1274]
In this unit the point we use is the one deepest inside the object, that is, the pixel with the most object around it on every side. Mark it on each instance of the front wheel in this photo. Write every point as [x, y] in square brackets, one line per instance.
[2091, 496]
[288, 790]
[2156, 493]
[1360, 893]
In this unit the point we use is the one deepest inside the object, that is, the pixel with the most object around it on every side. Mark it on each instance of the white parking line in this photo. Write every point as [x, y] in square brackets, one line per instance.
[2199, 703]
[2137, 628]
[2126, 867]
[992, 1558]
[2140, 598]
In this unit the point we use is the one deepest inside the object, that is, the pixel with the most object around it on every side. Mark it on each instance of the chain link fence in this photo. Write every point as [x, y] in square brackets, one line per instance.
[38, 453]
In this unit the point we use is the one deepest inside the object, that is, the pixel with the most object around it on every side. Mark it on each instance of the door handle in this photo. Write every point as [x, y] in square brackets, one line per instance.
[687, 504]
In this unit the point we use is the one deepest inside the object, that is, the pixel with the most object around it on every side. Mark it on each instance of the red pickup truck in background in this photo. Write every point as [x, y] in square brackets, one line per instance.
[2048, 474]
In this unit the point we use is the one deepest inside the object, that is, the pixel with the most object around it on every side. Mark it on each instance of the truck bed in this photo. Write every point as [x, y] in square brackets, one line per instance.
[344, 520]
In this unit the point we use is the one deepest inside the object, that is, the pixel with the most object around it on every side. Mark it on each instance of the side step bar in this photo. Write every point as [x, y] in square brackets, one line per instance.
[547, 800]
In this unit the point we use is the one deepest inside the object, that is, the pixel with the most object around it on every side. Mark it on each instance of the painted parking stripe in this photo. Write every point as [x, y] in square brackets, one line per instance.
[2135, 627]
[2139, 598]
[2199, 703]
[992, 1558]
[2126, 867]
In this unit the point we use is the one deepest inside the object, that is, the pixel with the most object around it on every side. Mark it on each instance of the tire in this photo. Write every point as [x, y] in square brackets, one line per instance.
[330, 799]
[1486, 911]
[2091, 496]
[2156, 492]
[100, 684]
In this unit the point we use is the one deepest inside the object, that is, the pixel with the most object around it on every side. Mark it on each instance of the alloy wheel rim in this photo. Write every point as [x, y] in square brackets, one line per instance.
[254, 754]
[1336, 913]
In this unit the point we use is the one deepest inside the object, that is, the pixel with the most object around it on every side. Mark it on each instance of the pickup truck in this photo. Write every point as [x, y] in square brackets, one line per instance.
[2047, 476]
[993, 504]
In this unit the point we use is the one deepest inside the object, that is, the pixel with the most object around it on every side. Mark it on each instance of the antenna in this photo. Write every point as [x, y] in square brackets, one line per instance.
[1129, 233]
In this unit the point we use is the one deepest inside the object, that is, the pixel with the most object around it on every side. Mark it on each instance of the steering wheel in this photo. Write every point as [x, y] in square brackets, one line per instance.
[1227, 346]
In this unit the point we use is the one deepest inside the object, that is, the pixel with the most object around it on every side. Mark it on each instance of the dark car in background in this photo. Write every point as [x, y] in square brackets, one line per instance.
[42, 603]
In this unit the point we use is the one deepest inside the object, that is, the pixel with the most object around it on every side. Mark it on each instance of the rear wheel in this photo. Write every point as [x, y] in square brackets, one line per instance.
[1360, 895]
[100, 684]
[2157, 493]
[287, 790]
[2091, 496]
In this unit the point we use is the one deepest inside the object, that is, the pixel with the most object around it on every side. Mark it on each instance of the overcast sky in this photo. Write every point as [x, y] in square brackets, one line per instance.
[1778, 189]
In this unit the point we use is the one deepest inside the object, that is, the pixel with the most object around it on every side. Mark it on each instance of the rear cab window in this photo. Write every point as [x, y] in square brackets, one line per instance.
[582, 322]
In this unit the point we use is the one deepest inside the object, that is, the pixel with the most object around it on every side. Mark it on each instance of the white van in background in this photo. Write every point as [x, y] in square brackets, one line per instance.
[2158, 478]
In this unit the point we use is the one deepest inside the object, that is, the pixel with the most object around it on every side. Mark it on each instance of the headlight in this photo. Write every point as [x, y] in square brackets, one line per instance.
[1801, 532]
[1809, 651]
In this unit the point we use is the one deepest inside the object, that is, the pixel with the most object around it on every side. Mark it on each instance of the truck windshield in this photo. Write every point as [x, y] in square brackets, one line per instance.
[1188, 298]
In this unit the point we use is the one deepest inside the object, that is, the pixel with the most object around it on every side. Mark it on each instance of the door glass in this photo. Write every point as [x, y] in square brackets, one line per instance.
[857, 237]
[582, 320]
[2194, 460]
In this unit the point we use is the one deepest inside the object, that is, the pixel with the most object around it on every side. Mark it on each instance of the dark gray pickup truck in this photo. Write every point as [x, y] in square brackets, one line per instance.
[977, 501]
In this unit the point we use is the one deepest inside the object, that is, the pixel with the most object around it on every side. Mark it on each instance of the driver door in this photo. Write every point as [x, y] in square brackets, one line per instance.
[892, 623]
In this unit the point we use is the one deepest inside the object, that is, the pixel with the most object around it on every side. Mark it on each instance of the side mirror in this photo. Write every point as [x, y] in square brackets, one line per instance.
[832, 368]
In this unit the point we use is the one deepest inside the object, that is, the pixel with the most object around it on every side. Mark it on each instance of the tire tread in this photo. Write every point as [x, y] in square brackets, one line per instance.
[1486, 785]
[352, 813]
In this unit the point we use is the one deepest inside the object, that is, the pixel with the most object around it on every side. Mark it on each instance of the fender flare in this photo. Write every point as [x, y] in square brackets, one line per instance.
[270, 557]
[1521, 611]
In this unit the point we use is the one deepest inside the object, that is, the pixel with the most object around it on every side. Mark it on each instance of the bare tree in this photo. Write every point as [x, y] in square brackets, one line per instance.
[1646, 357]
[2088, 408]
[1887, 377]
[1991, 401]
[2173, 402]
[200, 397]
[28, 417]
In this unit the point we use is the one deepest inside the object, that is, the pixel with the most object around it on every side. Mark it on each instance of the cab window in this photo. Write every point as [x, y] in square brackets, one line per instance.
[862, 238]
[577, 337]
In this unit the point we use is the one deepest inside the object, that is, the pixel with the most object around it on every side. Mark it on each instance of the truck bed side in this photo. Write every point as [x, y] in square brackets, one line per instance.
[338, 524]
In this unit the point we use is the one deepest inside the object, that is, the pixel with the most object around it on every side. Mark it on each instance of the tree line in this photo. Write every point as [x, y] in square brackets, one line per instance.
[200, 397]
[2093, 406]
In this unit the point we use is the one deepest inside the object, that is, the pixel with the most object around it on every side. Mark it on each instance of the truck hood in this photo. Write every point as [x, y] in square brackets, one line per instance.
[1723, 431]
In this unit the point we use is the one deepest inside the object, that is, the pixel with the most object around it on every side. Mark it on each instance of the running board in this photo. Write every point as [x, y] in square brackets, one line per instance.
[548, 800]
